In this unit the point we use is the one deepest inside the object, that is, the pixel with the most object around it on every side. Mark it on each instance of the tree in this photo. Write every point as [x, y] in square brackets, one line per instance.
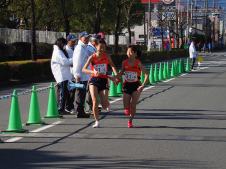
[4, 3]
[133, 10]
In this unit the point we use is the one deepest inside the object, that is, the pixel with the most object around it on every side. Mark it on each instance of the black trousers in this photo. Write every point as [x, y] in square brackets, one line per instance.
[193, 62]
[65, 98]
[89, 101]
[80, 99]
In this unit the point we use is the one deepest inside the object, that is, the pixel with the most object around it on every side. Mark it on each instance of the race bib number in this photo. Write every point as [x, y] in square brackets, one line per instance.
[131, 76]
[101, 68]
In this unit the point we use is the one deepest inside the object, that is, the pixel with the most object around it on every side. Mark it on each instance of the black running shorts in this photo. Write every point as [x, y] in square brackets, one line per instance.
[130, 87]
[100, 83]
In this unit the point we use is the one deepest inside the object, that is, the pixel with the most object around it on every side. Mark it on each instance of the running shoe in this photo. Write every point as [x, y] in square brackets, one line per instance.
[108, 109]
[130, 124]
[96, 124]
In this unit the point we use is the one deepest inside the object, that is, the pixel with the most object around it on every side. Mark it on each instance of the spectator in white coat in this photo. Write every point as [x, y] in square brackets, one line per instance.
[60, 66]
[80, 57]
[192, 53]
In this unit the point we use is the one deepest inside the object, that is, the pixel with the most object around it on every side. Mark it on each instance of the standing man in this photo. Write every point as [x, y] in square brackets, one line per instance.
[80, 56]
[71, 41]
[192, 52]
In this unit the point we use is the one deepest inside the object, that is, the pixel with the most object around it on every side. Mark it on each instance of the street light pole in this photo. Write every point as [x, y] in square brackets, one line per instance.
[148, 31]
[187, 21]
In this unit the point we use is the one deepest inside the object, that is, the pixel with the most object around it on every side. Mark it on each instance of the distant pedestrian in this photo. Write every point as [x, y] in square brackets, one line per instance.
[209, 45]
[80, 56]
[192, 53]
[98, 84]
[204, 47]
[132, 87]
[60, 66]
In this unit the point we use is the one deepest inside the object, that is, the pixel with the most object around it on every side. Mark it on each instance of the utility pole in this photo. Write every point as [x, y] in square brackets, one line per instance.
[196, 19]
[177, 24]
[213, 15]
[187, 21]
[145, 34]
[191, 14]
[149, 22]
[206, 6]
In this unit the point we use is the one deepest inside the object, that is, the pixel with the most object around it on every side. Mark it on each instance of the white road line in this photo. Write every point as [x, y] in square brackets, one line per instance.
[116, 100]
[184, 74]
[45, 127]
[168, 80]
[146, 88]
[14, 139]
[202, 68]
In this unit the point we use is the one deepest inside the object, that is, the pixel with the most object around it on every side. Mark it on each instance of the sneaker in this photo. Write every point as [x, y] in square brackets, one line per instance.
[130, 124]
[72, 111]
[108, 109]
[126, 111]
[96, 124]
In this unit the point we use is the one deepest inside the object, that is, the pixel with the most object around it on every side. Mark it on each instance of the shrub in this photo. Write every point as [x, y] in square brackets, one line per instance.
[25, 70]
[22, 51]
[4, 72]
[152, 57]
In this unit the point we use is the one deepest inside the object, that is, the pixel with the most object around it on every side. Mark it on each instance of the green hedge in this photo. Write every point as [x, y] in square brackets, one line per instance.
[152, 57]
[22, 51]
[25, 70]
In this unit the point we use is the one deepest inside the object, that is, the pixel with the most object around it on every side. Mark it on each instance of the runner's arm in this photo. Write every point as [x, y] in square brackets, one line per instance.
[146, 74]
[85, 68]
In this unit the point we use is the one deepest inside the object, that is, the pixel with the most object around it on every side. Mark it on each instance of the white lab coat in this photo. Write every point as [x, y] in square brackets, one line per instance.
[80, 57]
[60, 65]
[192, 51]
[70, 52]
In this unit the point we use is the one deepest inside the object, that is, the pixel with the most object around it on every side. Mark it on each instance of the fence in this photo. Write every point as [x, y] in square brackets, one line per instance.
[18, 35]
[8, 36]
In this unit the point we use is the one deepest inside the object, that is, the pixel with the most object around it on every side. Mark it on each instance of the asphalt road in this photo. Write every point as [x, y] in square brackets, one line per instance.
[180, 124]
